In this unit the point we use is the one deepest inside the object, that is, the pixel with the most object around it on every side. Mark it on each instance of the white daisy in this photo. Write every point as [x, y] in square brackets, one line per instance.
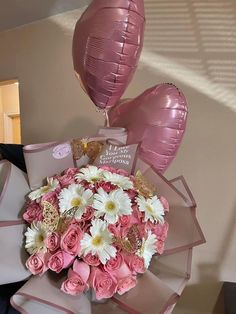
[52, 184]
[75, 196]
[35, 236]
[112, 205]
[99, 242]
[152, 207]
[123, 182]
[91, 174]
[148, 248]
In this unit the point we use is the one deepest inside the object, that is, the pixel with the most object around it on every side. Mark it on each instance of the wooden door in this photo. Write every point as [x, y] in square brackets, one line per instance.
[16, 132]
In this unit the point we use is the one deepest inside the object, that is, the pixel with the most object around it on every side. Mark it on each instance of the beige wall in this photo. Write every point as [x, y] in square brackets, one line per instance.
[39, 55]
[189, 43]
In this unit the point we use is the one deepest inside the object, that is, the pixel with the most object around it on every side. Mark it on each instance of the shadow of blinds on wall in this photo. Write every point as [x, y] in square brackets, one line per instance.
[194, 42]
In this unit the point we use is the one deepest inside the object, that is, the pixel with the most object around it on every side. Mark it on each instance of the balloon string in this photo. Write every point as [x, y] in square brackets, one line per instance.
[107, 122]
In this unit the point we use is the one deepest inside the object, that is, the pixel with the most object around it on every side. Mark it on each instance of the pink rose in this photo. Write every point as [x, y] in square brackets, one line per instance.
[71, 172]
[88, 215]
[135, 263]
[59, 261]
[36, 265]
[125, 284]
[114, 263]
[74, 222]
[160, 245]
[52, 198]
[52, 241]
[87, 185]
[161, 230]
[70, 241]
[136, 214]
[77, 279]
[33, 213]
[132, 194]
[165, 204]
[74, 285]
[115, 230]
[108, 168]
[91, 260]
[124, 278]
[82, 269]
[122, 172]
[106, 186]
[102, 283]
[65, 181]
[68, 177]
[122, 272]
[125, 221]
[150, 225]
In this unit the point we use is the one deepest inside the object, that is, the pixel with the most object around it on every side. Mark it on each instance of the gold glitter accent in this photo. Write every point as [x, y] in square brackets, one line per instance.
[50, 216]
[132, 243]
[144, 187]
[82, 147]
[52, 221]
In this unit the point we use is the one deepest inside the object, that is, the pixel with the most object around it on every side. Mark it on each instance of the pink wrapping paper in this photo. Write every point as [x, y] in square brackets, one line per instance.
[42, 295]
[157, 290]
[43, 160]
[13, 255]
[185, 231]
[47, 159]
[11, 179]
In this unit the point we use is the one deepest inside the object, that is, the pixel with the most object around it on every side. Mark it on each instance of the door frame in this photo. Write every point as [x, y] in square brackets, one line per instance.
[7, 123]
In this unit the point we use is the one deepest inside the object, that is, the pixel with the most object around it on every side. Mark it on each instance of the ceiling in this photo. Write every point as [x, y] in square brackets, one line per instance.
[14, 13]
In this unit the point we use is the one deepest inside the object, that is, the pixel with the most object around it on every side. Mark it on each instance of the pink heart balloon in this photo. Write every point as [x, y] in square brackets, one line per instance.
[157, 118]
[107, 43]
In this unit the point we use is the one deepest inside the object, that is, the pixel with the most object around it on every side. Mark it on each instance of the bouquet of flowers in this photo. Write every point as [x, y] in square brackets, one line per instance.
[101, 223]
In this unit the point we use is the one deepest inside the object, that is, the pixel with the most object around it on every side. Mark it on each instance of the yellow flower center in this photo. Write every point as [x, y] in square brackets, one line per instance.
[45, 189]
[110, 206]
[149, 209]
[97, 241]
[75, 202]
[39, 240]
[142, 249]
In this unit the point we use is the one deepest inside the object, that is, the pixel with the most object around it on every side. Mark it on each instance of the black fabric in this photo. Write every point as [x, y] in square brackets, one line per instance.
[6, 291]
[229, 289]
[14, 154]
